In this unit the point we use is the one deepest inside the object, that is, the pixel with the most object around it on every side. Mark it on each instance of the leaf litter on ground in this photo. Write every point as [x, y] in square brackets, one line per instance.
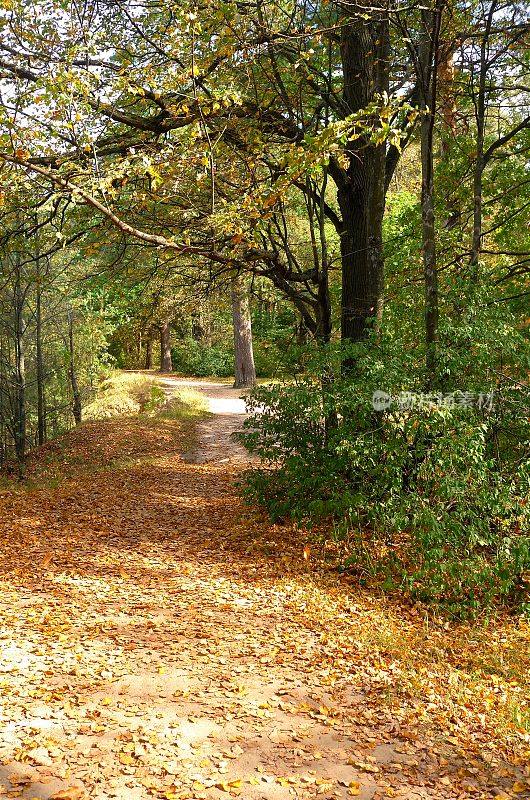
[161, 641]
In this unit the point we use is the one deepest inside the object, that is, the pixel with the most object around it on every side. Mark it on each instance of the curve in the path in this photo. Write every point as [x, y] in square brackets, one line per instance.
[215, 434]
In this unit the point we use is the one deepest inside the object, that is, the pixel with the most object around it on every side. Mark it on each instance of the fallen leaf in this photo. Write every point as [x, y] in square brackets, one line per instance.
[72, 793]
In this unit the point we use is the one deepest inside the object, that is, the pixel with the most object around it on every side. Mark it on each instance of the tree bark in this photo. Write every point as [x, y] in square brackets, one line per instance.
[320, 261]
[74, 384]
[41, 389]
[428, 57]
[361, 189]
[478, 172]
[148, 353]
[20, 372]
[244, 369]
[430, 271]
[166, 362]
[198, 331]
[447, 114]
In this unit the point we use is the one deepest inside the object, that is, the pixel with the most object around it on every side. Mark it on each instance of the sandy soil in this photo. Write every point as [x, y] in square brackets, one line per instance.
[216, 442]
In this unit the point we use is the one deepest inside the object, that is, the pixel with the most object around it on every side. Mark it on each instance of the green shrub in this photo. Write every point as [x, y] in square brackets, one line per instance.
[430, 499]
[196, 358]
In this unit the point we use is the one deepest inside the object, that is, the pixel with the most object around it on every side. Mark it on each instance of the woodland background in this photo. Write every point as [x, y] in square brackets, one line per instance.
[331, 195]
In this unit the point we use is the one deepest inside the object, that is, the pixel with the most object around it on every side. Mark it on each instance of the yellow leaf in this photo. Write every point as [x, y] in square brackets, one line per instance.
[519, 787]
[226, 786]
[72, 793]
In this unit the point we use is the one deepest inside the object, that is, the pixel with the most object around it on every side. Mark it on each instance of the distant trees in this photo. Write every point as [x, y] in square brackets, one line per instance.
[264, 141]
[49, 344]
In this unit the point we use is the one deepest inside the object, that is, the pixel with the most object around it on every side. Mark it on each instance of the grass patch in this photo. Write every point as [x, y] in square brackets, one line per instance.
[186, 404]
[125, 394]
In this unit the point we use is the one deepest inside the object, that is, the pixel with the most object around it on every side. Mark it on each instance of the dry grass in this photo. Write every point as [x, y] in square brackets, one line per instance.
[122, 394]
[132, 393]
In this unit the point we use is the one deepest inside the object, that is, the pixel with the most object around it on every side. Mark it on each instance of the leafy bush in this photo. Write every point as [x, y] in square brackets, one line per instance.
[196, 358]
[429, 499]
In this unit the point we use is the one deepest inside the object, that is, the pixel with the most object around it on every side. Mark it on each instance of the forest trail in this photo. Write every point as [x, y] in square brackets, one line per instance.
[158, 641]
[215, 435]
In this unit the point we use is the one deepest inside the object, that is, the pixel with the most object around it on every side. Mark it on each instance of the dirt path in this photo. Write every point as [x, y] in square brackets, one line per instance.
[215, 440]
[158, 643]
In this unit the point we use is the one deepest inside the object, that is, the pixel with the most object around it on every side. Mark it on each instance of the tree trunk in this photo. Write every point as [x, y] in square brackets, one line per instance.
[361, 188]
[428, 68]
[446, 95]
[166, 362]
[76, 395]
[245, 372]
[20, 372]
[319, 247]
[478, 173]
[430, 271]
[302, 333]
[41, 396]
[447, 115]
[4, 404]
[198, 332]
[149, 353]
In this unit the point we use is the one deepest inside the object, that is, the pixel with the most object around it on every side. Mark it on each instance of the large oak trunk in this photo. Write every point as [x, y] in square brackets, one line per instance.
[244, 369]
[361, 187]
